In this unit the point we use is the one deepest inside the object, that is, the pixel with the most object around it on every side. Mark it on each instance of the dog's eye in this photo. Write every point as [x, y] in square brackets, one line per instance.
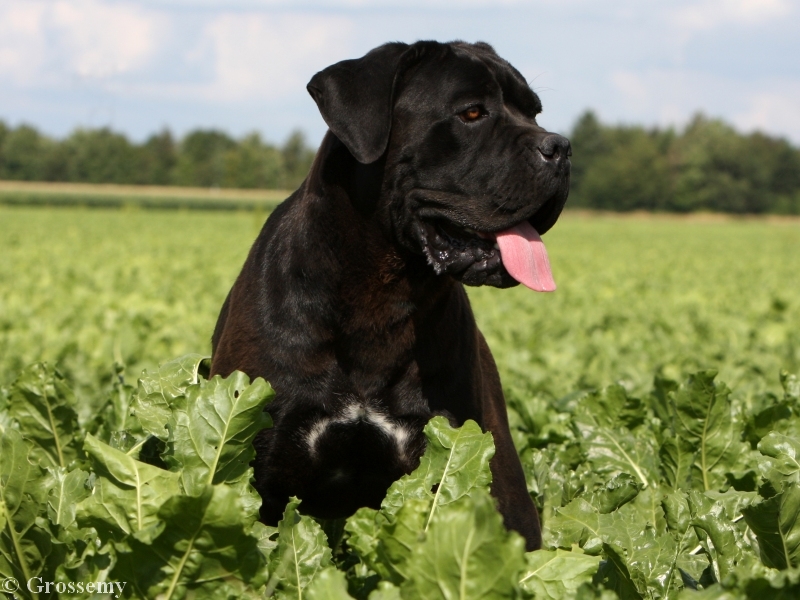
[473, 113]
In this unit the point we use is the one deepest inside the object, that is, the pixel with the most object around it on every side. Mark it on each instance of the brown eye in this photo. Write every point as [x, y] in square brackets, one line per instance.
[473, 113]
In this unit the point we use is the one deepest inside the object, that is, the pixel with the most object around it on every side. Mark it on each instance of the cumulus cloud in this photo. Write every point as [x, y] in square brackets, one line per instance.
[46, 42]
[261, 56]
[709, 14]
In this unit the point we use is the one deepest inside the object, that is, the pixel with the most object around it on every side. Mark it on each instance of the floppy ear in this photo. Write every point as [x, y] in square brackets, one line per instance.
[355, 98]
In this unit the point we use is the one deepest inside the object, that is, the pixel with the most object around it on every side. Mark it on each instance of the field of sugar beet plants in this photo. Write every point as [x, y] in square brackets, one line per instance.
[653, 400]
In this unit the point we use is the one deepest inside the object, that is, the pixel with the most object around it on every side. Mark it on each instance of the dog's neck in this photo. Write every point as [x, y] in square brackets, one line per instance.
[387, 283]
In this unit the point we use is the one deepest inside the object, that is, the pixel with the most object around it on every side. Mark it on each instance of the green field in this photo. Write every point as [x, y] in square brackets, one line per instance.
[639, 299]
[635, 297]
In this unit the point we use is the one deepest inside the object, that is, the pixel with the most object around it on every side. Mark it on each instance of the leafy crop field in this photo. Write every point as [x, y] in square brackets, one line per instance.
[654, 478]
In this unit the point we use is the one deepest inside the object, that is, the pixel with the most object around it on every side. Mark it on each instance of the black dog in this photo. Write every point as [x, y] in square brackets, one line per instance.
[434, 173]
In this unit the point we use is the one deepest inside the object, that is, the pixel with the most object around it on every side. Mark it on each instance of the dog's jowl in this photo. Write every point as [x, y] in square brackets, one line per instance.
[434, 174]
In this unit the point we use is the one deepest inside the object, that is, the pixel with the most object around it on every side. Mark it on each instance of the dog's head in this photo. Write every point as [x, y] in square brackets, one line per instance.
[469, 179]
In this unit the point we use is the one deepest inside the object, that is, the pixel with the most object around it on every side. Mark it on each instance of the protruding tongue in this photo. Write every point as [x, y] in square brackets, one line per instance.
[525, 258]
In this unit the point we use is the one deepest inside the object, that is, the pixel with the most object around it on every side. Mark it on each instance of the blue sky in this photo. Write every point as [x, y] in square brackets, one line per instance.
[243, 65]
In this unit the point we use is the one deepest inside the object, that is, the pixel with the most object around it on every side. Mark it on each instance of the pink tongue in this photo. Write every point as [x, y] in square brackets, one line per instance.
[525, 257]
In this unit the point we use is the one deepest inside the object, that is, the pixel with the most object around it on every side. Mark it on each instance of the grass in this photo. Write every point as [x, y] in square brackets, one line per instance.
[29, 193]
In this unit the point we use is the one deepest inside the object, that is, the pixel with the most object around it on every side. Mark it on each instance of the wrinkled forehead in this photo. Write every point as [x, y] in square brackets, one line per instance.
[460, 76]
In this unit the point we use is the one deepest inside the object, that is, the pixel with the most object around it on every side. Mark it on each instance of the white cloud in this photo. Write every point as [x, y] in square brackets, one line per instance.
[709, 14]
[47, 42]
[23, 48]
[262, 56]
[105, 39]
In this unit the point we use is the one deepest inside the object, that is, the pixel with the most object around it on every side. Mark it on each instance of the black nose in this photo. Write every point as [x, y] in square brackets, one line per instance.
[555, 147]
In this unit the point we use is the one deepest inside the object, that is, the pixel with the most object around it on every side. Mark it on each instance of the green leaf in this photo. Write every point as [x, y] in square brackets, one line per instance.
[704, 419]
[385, 591]
[776, 523]
[24, 545]
[212, 430]
[202, 546]
[467, 553]
[302, 552]
[157, 392]
[620, 490]
[127, 493]
[574, 524]
[557, 574]
[791, 387]
[677, 459]
[610, 408]
[42, 404]
[399, 537]
[69, 488]
[783, 464]
[716, 533]
[610, 449]
[329, 584]
[455, 459]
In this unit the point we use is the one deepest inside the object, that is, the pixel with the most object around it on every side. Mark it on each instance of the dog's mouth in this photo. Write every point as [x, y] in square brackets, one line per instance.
[503, 258]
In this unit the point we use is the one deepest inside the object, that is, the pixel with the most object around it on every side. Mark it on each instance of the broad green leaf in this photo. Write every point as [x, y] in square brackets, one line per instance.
[612, 449]
[362, 530]
[704, 419]
[455, 459]
[467, 553]
[553, 575]
[574, 524]
[265, 534]
[158, 391]
[614, 575]
[115, 415]
[715, 592]
[24, 545]
[399, 537]
[783, 464]
[677, 459]
[69, 488]
[202, 546]
[385, 591]
[43, 406]
[127, 493]
[716, 533]
[610, 407]
[776, 523]
[620, 490]
[329, 584]
[212, 430]
[302, 552]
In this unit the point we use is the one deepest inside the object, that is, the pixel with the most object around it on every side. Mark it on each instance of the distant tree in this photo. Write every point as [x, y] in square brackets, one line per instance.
[297, 159]
[201, 160]
[23, 151]
[253, 164]
[101, 156]
[631, 174]
[3, 135]
[158, 158]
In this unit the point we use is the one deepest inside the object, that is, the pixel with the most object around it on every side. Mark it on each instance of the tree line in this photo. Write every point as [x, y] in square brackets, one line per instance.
[205, 158]
[707, 165]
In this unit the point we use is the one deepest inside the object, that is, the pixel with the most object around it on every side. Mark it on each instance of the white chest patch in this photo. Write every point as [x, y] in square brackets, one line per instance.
[355, 413]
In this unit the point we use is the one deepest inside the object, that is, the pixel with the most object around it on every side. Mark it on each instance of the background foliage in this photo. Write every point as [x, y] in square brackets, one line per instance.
[707, 166]
[203, 158]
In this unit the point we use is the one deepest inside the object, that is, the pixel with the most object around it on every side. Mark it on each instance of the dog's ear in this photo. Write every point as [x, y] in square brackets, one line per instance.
[355, 98]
